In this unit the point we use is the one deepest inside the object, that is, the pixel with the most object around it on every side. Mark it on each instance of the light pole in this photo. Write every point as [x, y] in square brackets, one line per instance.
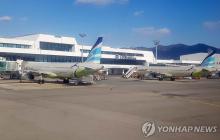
[82, 35]
[156, 43]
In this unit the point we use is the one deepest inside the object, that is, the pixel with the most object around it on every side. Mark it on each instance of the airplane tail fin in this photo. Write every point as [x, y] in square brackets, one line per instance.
[95, 53]
[209, 60]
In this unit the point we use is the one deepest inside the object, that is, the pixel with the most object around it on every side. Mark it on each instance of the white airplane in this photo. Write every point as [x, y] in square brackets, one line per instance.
[64, 71]
[170, 71]
[162, 71]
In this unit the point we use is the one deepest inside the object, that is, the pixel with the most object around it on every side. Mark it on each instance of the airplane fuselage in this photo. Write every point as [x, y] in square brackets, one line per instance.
[61, 70]
[181, 71]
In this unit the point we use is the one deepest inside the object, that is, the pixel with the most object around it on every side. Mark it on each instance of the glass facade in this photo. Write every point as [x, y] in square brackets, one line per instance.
[9, 45]
[122, 53]
[84, 51]
[54, 58]
[56, 47]
[40, 58]
[116, 53]
[122, 61]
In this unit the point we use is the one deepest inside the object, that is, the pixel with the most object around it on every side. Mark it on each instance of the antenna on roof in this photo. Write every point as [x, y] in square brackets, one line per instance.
[156, 43]
[82, 35]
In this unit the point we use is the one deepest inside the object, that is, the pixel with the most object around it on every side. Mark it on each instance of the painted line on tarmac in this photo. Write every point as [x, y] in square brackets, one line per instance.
[201, 102]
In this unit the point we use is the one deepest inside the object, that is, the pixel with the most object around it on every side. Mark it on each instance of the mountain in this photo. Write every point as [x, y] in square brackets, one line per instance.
[176, 50]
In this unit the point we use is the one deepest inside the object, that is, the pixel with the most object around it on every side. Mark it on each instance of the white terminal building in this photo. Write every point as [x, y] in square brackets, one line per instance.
[50, 48]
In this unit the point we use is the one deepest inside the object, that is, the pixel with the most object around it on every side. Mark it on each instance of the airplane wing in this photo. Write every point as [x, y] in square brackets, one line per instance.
[162, 73]
[91, 66]
[166, 74]
[39, 72]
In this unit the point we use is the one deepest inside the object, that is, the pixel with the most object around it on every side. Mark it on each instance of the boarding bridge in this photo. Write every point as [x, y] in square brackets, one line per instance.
[10, 69]
[9, 66]
[130, 72]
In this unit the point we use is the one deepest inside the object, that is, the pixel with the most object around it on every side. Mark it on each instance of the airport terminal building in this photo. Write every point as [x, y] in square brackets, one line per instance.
[50, 48]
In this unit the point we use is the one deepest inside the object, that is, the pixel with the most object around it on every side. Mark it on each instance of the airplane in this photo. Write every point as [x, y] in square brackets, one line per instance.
[162, 71]
[64, 71]
[171, 71]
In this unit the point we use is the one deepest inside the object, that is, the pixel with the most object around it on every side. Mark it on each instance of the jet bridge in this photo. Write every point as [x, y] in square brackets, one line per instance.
[10, 68]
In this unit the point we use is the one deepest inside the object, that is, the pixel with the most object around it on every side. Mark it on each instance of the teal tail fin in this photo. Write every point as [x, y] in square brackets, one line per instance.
[209, 61]
[95, 53]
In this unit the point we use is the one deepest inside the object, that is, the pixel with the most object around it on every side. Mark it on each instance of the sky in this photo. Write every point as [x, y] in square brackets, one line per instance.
[122, 23]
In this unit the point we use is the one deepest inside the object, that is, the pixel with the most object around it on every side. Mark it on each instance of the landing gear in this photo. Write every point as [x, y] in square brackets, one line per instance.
[76, 83]
[172, 78]
[20, 80]
[160, 78]
[66, 81]
[41, 80]
[20, 77]
[30, 76]
[167, 78]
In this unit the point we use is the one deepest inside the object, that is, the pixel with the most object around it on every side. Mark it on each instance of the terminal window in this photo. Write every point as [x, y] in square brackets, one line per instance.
[9, 45]
[84, 51]
[56, 47]
[122, 53]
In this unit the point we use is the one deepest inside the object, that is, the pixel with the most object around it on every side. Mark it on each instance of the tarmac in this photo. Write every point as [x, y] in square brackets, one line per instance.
[113, 109]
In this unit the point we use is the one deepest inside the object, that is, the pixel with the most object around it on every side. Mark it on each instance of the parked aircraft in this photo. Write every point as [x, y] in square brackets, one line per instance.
[171, 71]
[65, 71]
[162, 71]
